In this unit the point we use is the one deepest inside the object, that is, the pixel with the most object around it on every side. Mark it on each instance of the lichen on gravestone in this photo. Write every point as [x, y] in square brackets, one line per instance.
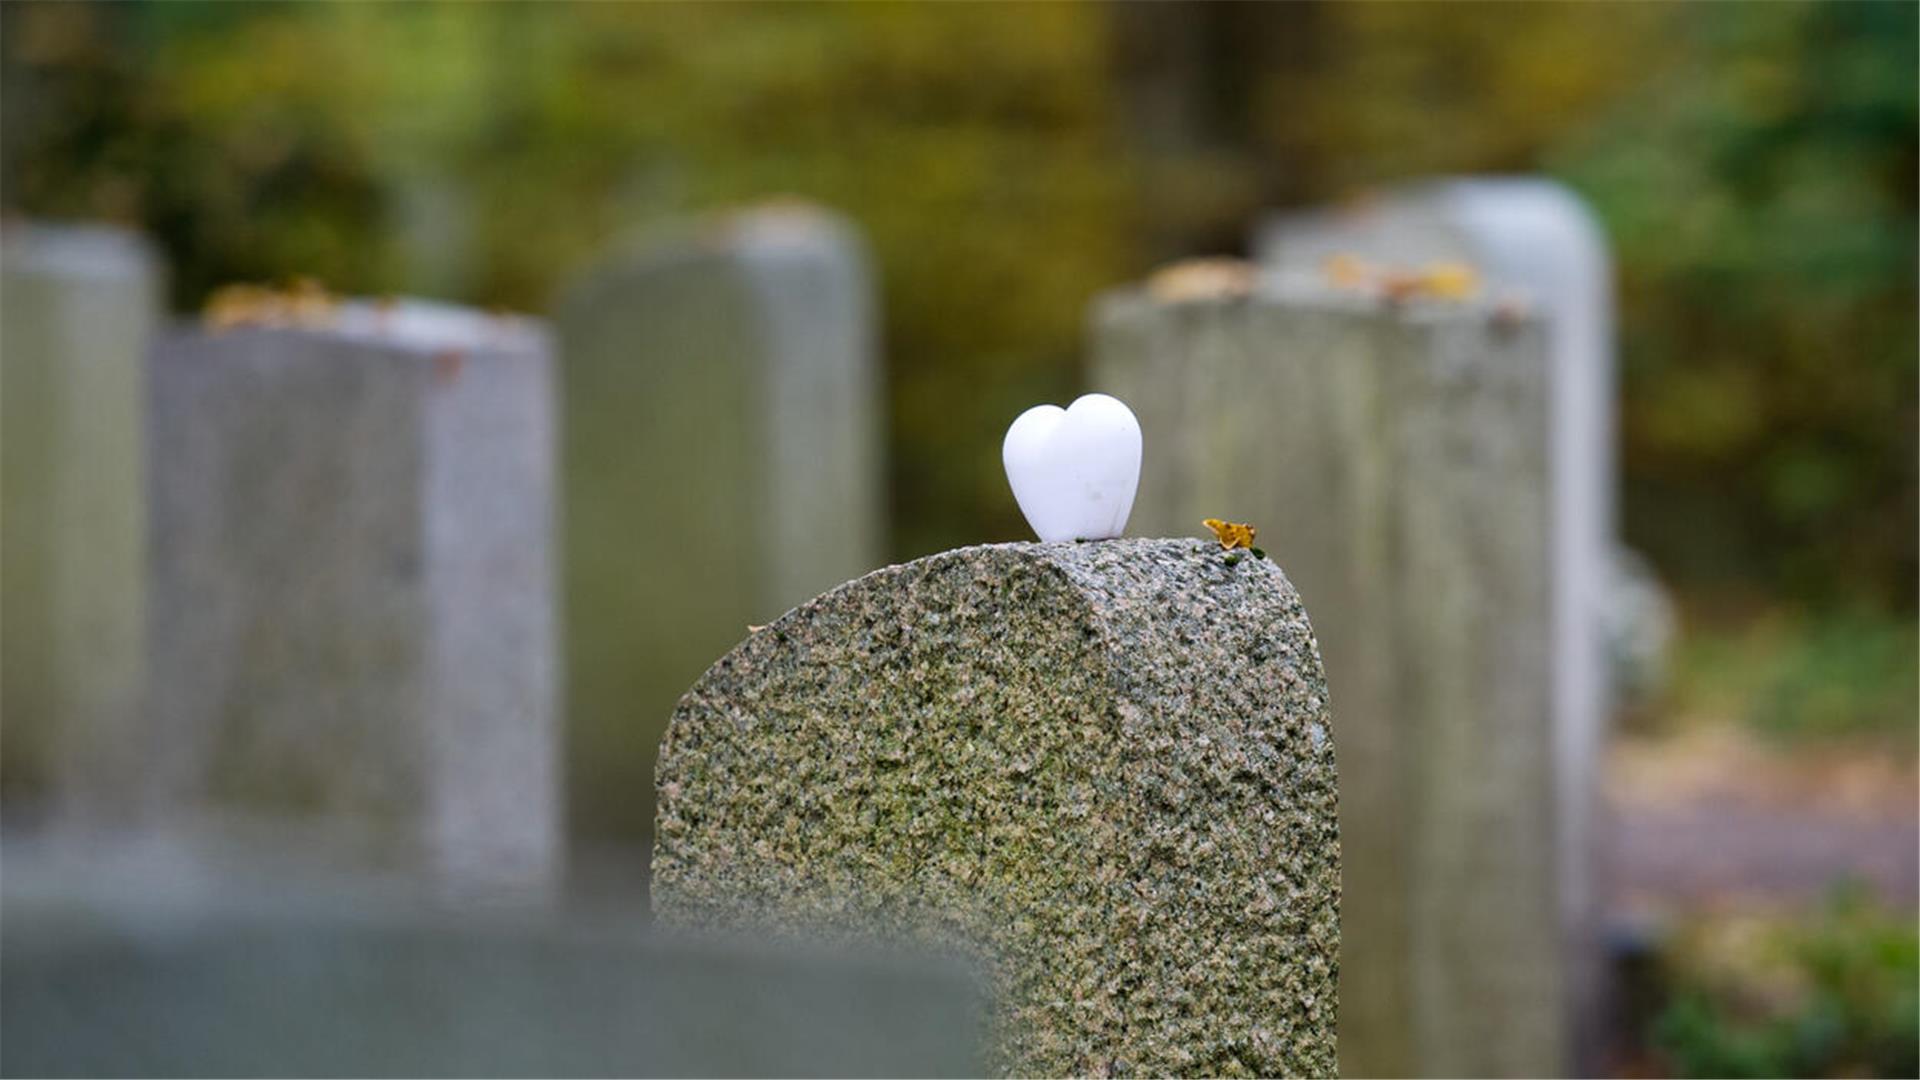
[1103, 769]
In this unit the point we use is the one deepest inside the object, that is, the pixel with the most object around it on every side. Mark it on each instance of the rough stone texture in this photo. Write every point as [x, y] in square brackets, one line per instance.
[1394, 459]
[353, 605]
[80, 305]
[1535, 240]
[1104, 769]
[722, 465]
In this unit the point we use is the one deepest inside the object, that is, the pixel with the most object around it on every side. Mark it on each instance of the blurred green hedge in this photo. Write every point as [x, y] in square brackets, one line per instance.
[1835, 993]
[1755, 162]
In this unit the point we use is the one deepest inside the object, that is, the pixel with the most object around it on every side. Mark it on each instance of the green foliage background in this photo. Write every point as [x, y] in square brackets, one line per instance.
[1755, 163]
[1837, 994]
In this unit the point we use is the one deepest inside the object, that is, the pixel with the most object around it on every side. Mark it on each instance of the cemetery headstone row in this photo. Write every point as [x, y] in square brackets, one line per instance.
[315, 568]
[351, 579]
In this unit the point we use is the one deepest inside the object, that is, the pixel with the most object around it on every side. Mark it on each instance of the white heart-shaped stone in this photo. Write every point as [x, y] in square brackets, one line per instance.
[1074, 470]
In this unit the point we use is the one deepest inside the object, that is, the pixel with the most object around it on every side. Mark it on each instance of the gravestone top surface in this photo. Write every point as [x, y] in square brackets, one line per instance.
[1515, 228]
[773, 232]
[1308, 289]
[413, 324]
[400, 325]
[76, 251]
[1103, 769]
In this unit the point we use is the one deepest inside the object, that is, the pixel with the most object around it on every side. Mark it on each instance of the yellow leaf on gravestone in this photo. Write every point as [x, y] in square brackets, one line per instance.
[1344, 271]
[1450, 281]
[1203, 279]
[1231, 534]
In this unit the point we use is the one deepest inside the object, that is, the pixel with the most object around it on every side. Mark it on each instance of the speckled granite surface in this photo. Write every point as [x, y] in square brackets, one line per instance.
[1107, 767]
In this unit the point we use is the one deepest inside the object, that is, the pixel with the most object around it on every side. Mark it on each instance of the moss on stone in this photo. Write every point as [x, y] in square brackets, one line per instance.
[1105, 768]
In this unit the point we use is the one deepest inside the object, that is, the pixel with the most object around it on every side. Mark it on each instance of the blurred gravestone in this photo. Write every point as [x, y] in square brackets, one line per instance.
[1104, 769]
[353, 605]
[1642, 623]
[435, 220]
[1394, 456]
[721, 466]
[81, 305]
[248, 961]
[1535, 242]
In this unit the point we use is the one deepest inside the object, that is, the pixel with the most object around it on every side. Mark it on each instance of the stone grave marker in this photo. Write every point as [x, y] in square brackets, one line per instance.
[1535, 242]
[1394, 456]
[722, 464]
[1103, 770]
[250, 960]
[80, 306]
[353, 603]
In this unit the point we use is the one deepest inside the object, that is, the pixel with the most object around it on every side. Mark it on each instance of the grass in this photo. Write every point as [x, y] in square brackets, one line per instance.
[1846, 675]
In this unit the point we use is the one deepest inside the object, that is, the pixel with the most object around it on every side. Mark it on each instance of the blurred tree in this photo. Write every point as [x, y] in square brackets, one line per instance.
[234, 158]
[1762, 197]
[1755, 162]
[1380, 92]
[487, 151]
[1756, 166]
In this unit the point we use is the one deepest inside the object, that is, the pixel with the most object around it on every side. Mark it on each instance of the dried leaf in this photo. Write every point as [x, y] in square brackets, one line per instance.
[1450, 281]
[1231, 534]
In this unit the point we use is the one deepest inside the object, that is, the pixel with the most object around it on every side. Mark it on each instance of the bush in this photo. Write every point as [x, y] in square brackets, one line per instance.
[1834, 996]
